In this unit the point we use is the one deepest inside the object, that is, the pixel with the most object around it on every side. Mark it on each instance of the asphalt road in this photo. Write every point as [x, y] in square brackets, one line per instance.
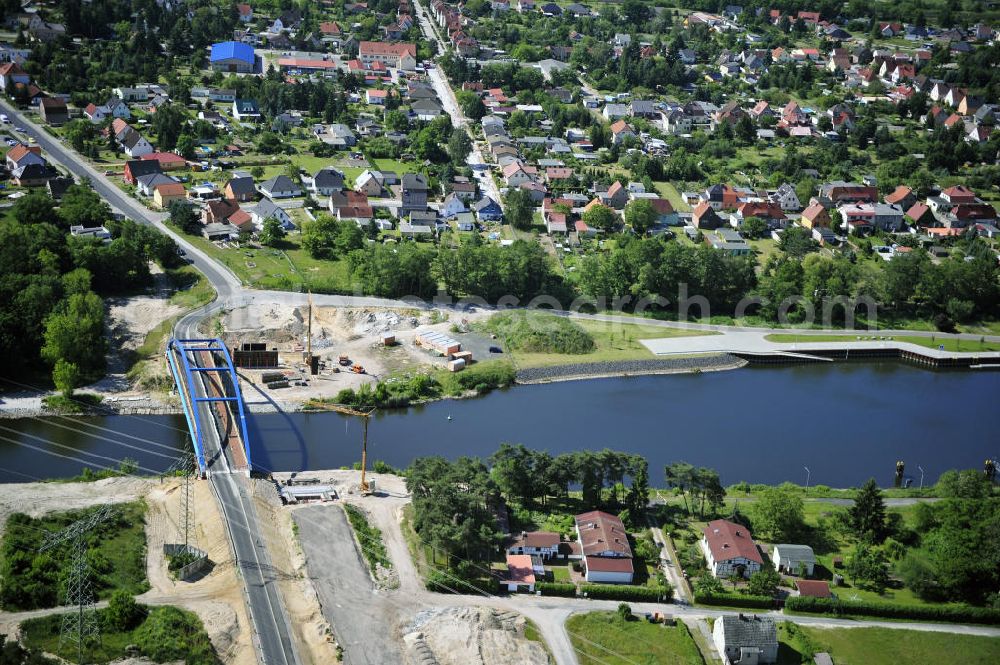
[271, 628]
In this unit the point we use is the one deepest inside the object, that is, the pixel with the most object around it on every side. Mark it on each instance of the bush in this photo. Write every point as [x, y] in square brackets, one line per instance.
[948, 613]
[734, 600]
[564, 590]
[627, 592]
[535, 332]
[170, 634]
[370, 538]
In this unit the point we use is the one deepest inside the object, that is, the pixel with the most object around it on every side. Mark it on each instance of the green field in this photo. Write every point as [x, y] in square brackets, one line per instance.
[288, 268]
[669, 192]
[612, 342]
[884, 646]
[949, 343]
[602, 637]
[117, 554]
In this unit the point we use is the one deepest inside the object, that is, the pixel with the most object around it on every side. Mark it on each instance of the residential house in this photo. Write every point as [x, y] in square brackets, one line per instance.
[279, 187]
[839, 191]
[616, 197]
[241, 189]
[362, 215]
[729, 549]
[12, 74]
[218, 212]
[603, 541]
[620, 132]
[412, 193]
[794, 559]
[135, 144]
[453, 205]
[370, 183]
[53, 111]
[268, 209]
[665, 213]
[146, 184]
[246, 110]
[136, 168]
[746, 639]
[376, 96]
[921, 215]
[729, 241]
[326, 181]
[58, 186]
[815, 216]
[415, 231]
[340, 135]
[167, 193]
[613, 112]
[902, 196]
[520, 574]
[488, 210]
[704, 217]
[232, 57]
[786, 197]
[517, 173]
[96, 114]
[168, 161]
[770, 213]
[426, 109]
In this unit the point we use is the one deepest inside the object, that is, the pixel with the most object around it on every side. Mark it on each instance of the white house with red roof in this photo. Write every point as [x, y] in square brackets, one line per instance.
[544, 544]
[603, 541]
[401, 55]
[520, 573]
[729, 549]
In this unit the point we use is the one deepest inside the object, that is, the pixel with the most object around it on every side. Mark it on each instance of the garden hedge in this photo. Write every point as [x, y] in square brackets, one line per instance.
[735, 600]
[642, 594]
[565, 590]
[946, 613]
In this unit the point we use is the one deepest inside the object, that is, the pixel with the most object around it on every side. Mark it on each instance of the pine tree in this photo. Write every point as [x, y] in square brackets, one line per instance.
[867, 515]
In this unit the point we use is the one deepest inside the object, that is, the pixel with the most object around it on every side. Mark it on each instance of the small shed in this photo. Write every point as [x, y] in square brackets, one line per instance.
[792, 559]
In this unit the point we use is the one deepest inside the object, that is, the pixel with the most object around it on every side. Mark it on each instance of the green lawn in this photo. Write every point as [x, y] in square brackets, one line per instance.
[669, 192]
[613, 342]
[288, 268]
[949, 343]
[602, 637]
[884, 646]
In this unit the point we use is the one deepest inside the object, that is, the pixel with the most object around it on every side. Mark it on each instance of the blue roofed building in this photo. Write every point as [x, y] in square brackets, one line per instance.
[232, 57]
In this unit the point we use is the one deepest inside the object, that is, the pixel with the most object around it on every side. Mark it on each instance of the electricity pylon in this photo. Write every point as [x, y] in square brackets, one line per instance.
[81, 625]
[185, 464]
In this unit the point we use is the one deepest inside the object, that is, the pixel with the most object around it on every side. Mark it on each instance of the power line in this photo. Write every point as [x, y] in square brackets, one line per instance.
[95, 436]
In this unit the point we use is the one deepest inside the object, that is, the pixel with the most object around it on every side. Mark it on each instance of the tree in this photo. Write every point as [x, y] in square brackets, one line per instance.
[66, 377]
[867, 515]
[753, 227]
[519, 209]
[81, 205]
[964, 484]
[122, 613]
[471, 104]
[601, 217]
[35, 208]
[778, 513]
[638, 494]
[868, 568]
[640, 215]
[680, 476]
[74, 332]
[183, 216]
[167, 123]
[763, 583]
[272, 232]
[624, 612]
[186, 145]
[319, 237]
[459, 145]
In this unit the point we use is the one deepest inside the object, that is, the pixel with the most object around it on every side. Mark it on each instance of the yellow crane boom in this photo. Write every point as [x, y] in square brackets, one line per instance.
[365, 416]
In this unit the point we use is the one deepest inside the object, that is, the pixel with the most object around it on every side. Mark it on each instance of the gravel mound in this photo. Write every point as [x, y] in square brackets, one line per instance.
[628, 368]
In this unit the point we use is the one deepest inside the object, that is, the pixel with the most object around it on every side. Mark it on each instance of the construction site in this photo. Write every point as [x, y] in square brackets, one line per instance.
[288, 355]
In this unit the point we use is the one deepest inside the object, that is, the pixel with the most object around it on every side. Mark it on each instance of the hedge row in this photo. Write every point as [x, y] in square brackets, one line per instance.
[836, 607]
[565, 590]
[735, 600]
[627, 592]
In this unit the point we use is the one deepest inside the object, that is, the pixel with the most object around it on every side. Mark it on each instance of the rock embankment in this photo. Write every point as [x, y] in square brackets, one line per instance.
[628, 368]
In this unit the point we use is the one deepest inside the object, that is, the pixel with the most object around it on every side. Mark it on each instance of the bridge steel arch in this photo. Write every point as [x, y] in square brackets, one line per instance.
[185, 375]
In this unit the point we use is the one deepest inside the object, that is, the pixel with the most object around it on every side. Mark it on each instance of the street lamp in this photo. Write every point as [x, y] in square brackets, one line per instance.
[921, 476]
[808, 473]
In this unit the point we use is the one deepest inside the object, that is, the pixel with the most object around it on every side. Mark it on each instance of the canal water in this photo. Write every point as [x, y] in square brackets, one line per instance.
[844, 422]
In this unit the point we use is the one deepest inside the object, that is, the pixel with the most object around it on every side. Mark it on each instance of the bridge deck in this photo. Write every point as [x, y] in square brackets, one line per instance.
[209, 389]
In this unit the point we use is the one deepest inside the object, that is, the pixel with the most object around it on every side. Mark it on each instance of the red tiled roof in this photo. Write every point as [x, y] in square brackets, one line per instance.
[814, 588]
[519, 569]
[728, 540]
[600, 531]
[384, 48]
[607, 564]
[536, 539]
[900, 193]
